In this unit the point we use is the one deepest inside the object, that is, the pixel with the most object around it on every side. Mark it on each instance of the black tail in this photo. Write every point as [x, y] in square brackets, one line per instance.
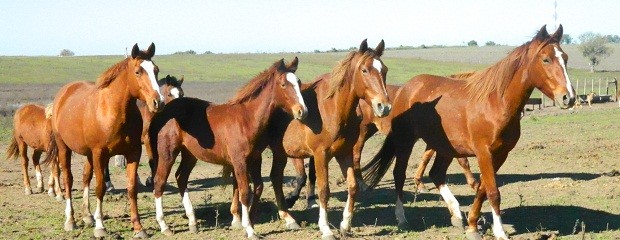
[380, 163]
[13, 150]
[52, 151]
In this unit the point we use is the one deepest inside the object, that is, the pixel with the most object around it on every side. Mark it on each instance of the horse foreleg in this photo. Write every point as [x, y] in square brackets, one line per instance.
[133, 160]
[438, 175]
[357, 158]
[277, 175]
[100, 162]
[417, 178]
[164, 166]
[471, 180]
[347, 168]
[300, 182]
[321, 159]
[234, 205]
[36, 156]
[64, 158]
[310, 195]
[188, 162]
[241, 176]
[87, 176]
[254, 170]
[400, 169]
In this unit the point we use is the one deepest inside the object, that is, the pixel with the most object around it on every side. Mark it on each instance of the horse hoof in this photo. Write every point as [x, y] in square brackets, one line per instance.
[254, 237]
[236, 225]
[149, 182]
[140, 235]
[51, 194]
[28, 191]
[69, 226]
[292, 226]
[457, 222]
[193, 228]
[60, 198]
[473, 235]
[40, 189]
[167, 232]
[88, 220]
[99, 233]
[328, 237]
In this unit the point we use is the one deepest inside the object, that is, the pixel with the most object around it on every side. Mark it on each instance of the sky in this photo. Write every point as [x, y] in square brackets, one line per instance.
[35, 28]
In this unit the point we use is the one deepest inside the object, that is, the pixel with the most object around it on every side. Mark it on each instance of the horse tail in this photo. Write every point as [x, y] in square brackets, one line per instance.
[378, 166]
[52, 151]
[49, 108]
[13, 151]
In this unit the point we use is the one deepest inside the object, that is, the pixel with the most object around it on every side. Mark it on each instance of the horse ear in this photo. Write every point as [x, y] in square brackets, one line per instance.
[135, 51]
[542, 34]
[168, 80]
[380, 48]
[281, 66]
[557, 35]
[292, 67]
[180, 80]
[150, 52]
[363, 46]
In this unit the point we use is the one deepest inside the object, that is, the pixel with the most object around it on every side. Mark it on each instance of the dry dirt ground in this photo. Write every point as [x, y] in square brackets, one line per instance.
[560, 180]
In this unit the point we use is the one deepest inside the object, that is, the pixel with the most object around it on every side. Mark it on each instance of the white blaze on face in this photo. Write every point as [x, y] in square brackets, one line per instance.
[558, 54]
[149, 67]
[377, 64]
[292, 78]
[175, 92]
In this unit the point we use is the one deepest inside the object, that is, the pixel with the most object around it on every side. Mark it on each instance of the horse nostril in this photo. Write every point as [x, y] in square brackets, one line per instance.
[156, 104]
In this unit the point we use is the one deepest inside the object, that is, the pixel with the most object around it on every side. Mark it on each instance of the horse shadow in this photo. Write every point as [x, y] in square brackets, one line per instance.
[504, 179]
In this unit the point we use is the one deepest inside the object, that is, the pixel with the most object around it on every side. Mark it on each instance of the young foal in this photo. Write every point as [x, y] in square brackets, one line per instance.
[483, 121]
[332, 127]
[171, 89]
[101, 120]
[227, 134]
[32, 128]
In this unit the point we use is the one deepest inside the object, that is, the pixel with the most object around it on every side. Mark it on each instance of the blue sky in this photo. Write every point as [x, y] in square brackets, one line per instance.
[108, 27]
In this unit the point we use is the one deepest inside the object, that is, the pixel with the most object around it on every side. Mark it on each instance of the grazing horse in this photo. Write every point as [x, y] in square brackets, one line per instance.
[100, 120]
[332, 127]
[477, 117]
[171, 89]
[32, 128]
[233, 133]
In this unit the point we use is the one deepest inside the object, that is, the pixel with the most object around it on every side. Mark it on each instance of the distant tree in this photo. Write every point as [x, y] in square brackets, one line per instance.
[208, 52]
[566, 39]
[472, 43]
[423, 46]
[333, 50]
[490, 43]
[593, 47]
[66, 53]
[190, 52]
[317, 51]
[613, 38]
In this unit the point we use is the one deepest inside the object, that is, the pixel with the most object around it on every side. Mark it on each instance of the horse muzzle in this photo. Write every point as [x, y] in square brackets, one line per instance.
[154, 105]
[299, 112]
[565, 101]
[381, 109]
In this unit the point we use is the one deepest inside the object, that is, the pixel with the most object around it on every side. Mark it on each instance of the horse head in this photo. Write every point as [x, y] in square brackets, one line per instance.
[369, 78]
[287, 89]
[143, 80]
[548, 68]
[171, 88]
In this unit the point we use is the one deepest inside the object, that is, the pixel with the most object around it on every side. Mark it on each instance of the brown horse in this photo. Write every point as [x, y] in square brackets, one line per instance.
[171, 89]
[101, 120]
[232, 134]
[477, 117]
[332, 127]
[32, 128]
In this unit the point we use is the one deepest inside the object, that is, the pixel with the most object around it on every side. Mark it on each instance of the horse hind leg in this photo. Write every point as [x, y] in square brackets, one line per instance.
[417, 177]
[469, 176]
[23, 153]
[438, 175]
[310, 195]
[188, 162]
[36, 156]
[300, 181]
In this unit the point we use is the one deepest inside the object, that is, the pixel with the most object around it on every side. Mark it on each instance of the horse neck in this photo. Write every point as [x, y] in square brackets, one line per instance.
[516, 95]
[116, 97]
[345, 100]
[260, 108]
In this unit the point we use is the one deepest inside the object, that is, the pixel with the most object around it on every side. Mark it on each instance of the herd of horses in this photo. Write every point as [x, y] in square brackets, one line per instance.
[475, 114]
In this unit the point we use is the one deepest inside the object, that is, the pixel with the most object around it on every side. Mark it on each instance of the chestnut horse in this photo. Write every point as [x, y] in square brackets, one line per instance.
[332, 127]
[32, 128]
[482, 121]
[229, 134]
[171, 89]
[101, 120]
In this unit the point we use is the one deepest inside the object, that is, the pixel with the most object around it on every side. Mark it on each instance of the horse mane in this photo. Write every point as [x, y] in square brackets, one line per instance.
[462, 75]
[497, 77]
[254, 86]
[341, 71]
[109, 75]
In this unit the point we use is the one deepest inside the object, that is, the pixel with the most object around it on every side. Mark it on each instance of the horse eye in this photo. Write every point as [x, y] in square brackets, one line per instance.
[364, 70]
[546, 60]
